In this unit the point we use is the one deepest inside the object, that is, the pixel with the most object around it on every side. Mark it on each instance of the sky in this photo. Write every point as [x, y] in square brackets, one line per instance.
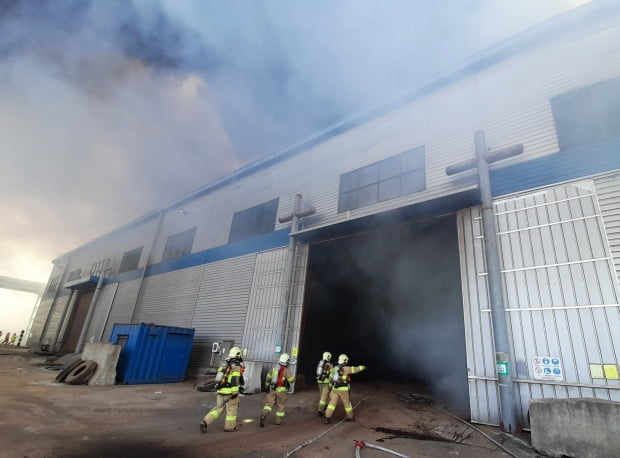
[110, 109]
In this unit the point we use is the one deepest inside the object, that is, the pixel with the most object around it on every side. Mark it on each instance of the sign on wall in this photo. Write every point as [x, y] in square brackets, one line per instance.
[547, 368]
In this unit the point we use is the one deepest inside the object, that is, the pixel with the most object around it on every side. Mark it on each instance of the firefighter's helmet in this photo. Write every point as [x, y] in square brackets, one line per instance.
[284, 359]
[327, 356]
[343, 359]
[235, 352]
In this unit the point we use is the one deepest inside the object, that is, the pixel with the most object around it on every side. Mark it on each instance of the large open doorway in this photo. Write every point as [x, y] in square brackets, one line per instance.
[391, 299]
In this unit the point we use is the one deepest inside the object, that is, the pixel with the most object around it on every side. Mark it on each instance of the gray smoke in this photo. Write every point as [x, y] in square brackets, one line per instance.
[110, 109]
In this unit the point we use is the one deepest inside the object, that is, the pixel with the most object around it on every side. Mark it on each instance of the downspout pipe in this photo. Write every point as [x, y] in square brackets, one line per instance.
[509, 422]
[91, 311]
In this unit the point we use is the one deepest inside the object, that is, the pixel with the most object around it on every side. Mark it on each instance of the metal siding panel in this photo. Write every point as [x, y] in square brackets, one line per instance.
[221, 306]
[169, 299]
[100, 314]
[38, 322]
[261, 330]
[122, 307]
[608, 191]
[54, 316]
[561, 294]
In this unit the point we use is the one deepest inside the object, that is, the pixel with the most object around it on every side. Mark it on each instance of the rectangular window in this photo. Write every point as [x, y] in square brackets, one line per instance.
[178, 245]
[51, 288]
[390, 178]
[587, 115]
[253, 221]
[74, 274]
[98, 267]
[130, 260]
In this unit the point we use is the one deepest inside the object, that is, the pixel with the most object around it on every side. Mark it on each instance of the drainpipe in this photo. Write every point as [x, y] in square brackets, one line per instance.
[91, 311]
[508, 406]
[509, 421]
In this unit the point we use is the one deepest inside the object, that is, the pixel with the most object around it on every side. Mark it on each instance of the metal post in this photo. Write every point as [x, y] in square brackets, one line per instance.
[288, 273]
[500, 329]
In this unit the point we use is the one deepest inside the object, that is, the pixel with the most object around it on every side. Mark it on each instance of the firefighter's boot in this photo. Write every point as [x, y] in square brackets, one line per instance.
[262, 421]
[328, 420]
[203, 427]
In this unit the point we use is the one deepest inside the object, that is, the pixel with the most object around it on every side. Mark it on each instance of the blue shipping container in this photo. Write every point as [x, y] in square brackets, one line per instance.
[152, 353]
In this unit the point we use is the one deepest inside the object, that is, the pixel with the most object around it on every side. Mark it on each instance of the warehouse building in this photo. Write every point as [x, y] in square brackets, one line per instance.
[357, 240]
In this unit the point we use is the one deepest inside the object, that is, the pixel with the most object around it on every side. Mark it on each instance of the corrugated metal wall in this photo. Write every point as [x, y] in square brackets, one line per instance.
[262, 325]
[296, 301]
[53, 320]
[101, 312]
[221, 306]
[561, 297]
[608, 190]
[169, 299]
[122, 306]
[38, 323]
[261, 329]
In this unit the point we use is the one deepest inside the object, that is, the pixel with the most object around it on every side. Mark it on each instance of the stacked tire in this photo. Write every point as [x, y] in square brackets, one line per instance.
[77, 373]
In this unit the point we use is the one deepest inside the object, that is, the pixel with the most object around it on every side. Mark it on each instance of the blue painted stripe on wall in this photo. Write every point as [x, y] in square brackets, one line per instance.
[544, 171]
[264, 242]
[556, 167]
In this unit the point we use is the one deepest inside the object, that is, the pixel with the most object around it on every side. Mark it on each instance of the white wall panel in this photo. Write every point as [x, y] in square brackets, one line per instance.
[221, 306]
[560, 291]
[101, 312]
[262, 327]
[169, 299]
[608, 190]
[122, 307]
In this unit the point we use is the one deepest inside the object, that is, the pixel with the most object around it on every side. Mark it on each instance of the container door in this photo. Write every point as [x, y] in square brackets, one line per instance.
[174, 357]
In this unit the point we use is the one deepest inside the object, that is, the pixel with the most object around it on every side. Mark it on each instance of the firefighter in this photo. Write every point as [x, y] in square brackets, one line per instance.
[340, 388]
[323, 376]
[229, 381]
[277, 382]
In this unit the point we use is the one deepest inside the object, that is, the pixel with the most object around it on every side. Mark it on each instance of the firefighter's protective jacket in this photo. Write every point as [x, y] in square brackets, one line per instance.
[279, 378]
[231, 380]
[340, 379]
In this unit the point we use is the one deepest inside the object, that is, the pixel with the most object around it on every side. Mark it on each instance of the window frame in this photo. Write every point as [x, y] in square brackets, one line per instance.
[254, 221]
[587, 115]
[130, 260]
[370, 184]
[179, 244]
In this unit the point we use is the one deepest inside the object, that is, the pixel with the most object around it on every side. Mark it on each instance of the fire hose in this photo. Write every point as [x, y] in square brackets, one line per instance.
[314, 439]
[361, 444]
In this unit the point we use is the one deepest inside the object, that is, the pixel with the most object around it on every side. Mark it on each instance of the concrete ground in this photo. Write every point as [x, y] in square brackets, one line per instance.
[41, 418]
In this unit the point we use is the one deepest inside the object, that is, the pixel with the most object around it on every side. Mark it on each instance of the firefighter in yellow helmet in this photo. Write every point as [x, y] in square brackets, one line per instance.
[277, 382]
[323, 377]
[340, 387]
[228, 383]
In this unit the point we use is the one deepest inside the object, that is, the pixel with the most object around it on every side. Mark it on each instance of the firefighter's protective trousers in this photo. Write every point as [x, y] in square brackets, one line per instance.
[225, 401]
[227, 398]
[278, 380]
[324, 395]
[341, 392]
[272, 399]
